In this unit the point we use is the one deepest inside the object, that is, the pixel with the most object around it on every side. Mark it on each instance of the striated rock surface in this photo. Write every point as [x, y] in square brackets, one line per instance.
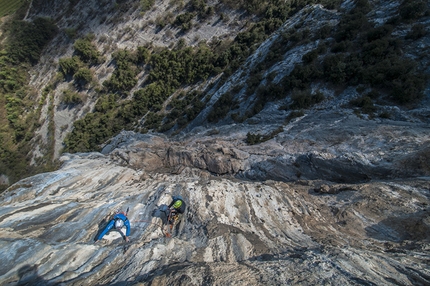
[331, 199]
[236, 231]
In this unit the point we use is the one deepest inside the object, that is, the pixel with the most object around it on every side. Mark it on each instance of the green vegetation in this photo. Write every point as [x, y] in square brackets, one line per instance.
[294, 114]
[146, 5]
[220, 109]
[71, 98]
[363, 54]
[184, 21]
[83, 76]
[303, 99]
[27, 39]
[418, 31]
[78, 66]
[365, 103]
[353, 53]
[8, 7]
[69, 66]
[124, 77]
[168, 70]
[87, 51]
[20, 49]
[253, 139]
[360, 54]
[413, 9]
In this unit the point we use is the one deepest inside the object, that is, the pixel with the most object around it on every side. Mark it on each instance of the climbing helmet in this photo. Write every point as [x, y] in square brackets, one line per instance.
[177, 204]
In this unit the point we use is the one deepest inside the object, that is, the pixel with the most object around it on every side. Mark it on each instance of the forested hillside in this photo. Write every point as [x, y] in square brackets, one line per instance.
[163, 88]
[22, 44]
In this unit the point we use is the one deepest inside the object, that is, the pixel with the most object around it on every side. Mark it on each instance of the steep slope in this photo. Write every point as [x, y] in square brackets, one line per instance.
[272, 70]
[235, 232]
[277, 195]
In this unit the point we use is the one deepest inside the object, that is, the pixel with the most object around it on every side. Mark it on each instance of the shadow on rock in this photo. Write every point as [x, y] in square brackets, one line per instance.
[312, 167]
[102, 224]
[28, 276]
[397, 229]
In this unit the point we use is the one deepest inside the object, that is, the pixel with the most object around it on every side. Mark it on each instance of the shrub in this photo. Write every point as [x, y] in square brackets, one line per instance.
[384, 114]
[142, 55]
[310, 56]
[412, 9]
[379, 32]
[341, 47]
[253, 82]
[70, 32]
[417, 31]
[69, 66]
[253, 139]
[146, 5]
[334, 68]
[106, 103]
[304, 99]
[83, 76]
[294, 114]
[71, 98]
[221, 107]
[87, 51]
[123, 78]
[184, 20]
[153, 120]
[365, 103]
[324, 32]
[408, 88]
[27, 39]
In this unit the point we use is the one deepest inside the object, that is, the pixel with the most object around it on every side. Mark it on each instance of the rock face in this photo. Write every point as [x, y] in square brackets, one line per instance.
[332, 198]
[235, 231]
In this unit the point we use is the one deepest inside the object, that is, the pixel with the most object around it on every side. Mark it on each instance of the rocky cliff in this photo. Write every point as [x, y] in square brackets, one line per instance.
[332, 198]
[306, 207]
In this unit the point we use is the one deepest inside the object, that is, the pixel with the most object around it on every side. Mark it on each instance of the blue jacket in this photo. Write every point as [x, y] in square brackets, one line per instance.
[111, 225]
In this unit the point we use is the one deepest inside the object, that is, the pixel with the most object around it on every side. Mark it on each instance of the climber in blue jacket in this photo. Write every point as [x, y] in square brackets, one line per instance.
[118, 221]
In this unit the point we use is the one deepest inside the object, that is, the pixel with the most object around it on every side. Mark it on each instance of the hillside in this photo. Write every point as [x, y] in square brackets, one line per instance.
[170, 67]
[297, 133]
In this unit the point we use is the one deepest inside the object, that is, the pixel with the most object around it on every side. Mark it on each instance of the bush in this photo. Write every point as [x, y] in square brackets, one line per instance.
[184, 21]
[408, 88]
[83, 76]
[310, 56]
[253, 139]
[324, 32]
[146, 5]
[418, 31]
[123, 78]
[70, 32]
[71, 98]
[152, 120]
[221, 107]
[69, 66]
[365, 103]
[379, 32]
[412, 9]
[334, 68]
[27, 39]
[87, 51]
[294, 114]
[304, 99]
